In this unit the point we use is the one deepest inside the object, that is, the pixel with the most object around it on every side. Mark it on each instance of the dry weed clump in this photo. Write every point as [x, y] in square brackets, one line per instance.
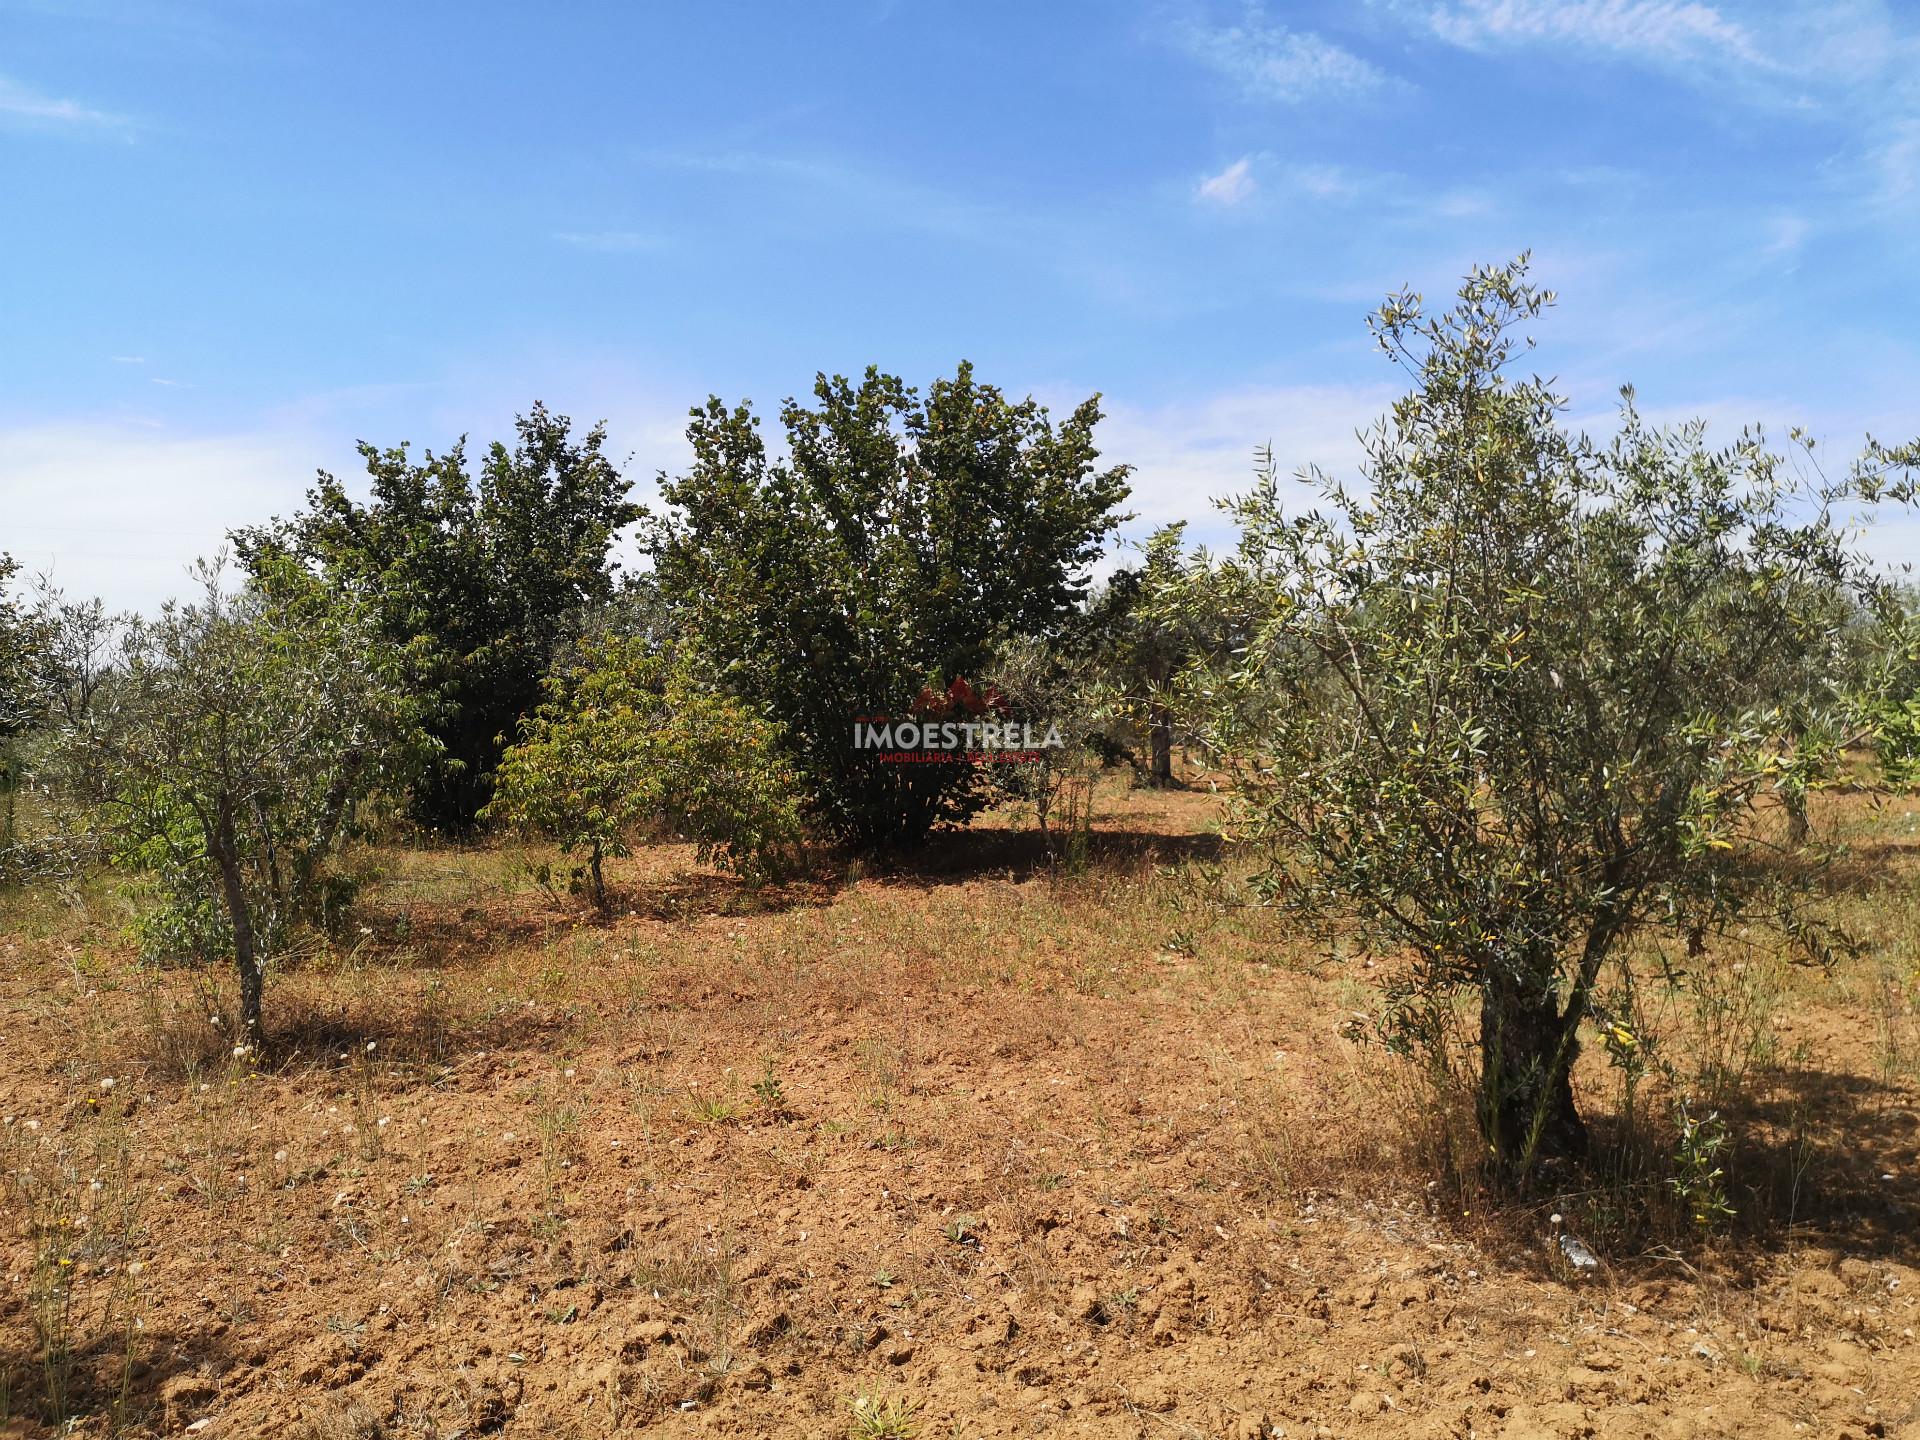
[72, 1195]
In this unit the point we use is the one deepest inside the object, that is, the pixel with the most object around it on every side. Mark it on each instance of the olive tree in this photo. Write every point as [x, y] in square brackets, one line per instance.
[21, 644]
[1148, 623]
[1060, 697]
[1524, 695]
[245, 726]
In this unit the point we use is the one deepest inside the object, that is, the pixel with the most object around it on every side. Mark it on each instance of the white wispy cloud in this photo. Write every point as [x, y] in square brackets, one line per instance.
[1897, 161]
[1231, 185]
[1266, 60]
[1785, 233]
[1190, 452]
[119, 511]
[24, 105]
[1661, 30]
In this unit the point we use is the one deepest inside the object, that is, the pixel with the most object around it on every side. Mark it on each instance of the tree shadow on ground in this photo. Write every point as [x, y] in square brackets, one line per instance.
[1825, 1158]
[102, 1386]
[429, 935]
[433, 936]
[418, 1034]
[1855, 870]
[1833, 1154]
[954, 857]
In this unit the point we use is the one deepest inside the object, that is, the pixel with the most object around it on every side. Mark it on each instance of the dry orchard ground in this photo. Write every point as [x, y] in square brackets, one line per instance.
[970, 1150]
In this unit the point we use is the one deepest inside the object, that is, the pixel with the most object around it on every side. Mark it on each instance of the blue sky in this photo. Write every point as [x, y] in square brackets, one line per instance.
[237, 237]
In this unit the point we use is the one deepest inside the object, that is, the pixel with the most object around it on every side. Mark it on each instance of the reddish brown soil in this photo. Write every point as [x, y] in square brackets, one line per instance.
[1021, 1165]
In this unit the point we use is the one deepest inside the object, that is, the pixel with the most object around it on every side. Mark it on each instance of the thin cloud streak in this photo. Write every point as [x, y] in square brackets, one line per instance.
[1266, 61]
[22, 104]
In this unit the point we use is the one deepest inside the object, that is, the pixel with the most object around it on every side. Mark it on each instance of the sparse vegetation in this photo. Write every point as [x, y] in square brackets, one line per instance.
[859, 1105]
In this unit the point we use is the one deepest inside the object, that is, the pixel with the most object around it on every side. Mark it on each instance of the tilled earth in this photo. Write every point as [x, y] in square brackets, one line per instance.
[980, 1153]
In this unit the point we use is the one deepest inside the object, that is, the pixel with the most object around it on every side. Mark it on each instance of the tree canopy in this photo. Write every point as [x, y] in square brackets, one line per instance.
[473, 578]
[902, 542]
[1523, 695]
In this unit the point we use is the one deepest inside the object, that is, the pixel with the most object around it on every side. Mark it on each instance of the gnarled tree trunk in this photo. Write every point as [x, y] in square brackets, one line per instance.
[598, 879]
[246, 955]
[1160, 734]
[1527, 1112]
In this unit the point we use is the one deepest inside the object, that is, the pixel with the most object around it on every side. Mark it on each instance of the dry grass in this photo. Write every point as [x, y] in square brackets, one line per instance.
[1001, 1149]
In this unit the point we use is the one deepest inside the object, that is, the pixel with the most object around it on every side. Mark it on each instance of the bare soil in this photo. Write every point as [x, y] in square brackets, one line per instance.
[1023, 1153]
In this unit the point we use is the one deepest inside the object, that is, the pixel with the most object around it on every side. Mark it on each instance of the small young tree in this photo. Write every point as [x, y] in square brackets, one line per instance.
[246, 725]
[1522, 696]
[1059, 695]
[628, 736]
[901, 544]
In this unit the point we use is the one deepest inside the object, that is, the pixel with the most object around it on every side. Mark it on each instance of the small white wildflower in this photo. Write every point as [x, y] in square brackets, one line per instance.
[135, 1267]
[107, 1084]
[240, 1052]
[280, 1156]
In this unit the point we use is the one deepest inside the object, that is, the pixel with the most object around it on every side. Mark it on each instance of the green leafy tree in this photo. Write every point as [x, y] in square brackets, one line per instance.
[1888, 700]
[1146, 628]
[902, 543]
[245, 727]
[631, 736]
[80, 644]
[63, 663]
[21, 644]
[476, 579]
[1524, 696]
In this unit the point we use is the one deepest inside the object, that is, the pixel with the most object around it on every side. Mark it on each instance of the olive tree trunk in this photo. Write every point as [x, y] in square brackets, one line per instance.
[1160, 735]
[1527, 1052]
[598, 879]
[246, 955]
